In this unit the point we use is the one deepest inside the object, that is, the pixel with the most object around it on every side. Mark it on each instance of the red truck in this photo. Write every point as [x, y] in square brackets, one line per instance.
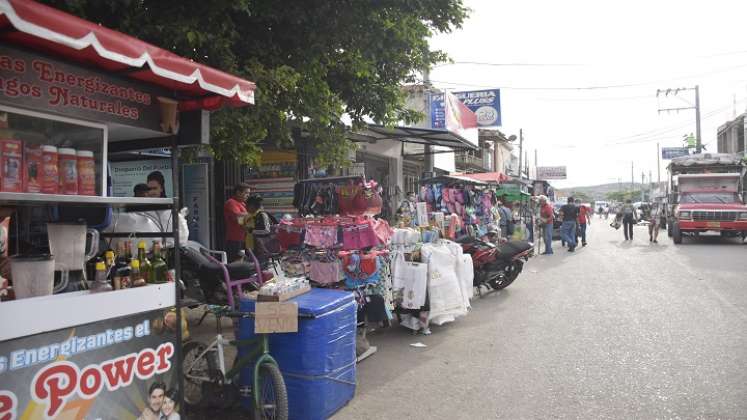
[706, 194]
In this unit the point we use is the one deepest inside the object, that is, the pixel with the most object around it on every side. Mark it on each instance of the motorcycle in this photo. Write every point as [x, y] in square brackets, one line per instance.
[496, 265]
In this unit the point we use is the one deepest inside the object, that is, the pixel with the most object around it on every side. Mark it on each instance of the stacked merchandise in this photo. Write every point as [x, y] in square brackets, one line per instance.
[34, 168]
[431, 278]
[348, 195]
[459, 206]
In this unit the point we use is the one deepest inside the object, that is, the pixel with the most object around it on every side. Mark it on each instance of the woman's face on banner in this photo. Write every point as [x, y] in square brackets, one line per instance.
[155, 188]
[168, 406]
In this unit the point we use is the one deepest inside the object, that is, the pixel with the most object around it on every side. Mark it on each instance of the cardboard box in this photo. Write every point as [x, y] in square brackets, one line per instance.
[275, 317]
[278, 298]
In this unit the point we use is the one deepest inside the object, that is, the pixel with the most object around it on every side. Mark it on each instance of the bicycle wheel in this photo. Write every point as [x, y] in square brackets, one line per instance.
[196, 370]
[273, 397]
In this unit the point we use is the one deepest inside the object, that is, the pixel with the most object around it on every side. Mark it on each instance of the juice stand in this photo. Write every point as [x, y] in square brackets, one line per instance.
[71, 93]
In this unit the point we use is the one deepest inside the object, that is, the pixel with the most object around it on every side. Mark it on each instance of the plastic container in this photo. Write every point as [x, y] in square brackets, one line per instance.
[317, 362]
[68, 164]
[86, 172]
[50, 173]
[11, 165]
[32, 168]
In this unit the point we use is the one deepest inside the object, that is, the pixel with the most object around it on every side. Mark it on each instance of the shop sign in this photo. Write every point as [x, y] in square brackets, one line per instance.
[450, 114]
[125, 175]
[551, 172]
[196, 184]
[38, 82]
[486, 104]
[674, 152]
[111, 369]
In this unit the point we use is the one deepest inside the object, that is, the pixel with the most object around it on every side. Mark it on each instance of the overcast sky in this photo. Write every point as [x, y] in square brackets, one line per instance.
[647, 44]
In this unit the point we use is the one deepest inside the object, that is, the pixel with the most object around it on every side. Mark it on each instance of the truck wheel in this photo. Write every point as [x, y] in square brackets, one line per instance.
[676, 233]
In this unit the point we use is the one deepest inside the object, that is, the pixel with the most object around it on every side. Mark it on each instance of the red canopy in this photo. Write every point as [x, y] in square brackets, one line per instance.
[39, 27]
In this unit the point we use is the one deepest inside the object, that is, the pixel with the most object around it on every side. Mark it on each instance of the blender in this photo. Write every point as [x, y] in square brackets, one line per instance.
[33, 275]
[67, 242]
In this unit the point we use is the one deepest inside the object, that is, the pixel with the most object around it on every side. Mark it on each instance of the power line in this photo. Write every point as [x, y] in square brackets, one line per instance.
[597, 87]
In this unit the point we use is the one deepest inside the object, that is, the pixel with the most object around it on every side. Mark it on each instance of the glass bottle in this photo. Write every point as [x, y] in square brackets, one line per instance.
[158, 265]
[100, 282]
[109, 258]
[136, 274]
[142, 256]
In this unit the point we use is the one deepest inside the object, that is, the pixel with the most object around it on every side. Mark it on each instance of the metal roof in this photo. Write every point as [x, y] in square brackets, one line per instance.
[425, 136]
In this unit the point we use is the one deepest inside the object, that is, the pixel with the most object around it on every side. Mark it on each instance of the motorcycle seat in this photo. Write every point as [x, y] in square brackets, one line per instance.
[511, 248]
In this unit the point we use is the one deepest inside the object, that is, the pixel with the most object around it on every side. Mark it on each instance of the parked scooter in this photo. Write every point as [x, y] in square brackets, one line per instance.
[496, 265]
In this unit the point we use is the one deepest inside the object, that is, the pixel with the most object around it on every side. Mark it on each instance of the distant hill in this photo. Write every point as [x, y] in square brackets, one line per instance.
[597, 192]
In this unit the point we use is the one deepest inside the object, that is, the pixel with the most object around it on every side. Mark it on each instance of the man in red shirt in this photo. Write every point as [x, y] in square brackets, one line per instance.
[584, 218]
[234, 212]
[546, 221]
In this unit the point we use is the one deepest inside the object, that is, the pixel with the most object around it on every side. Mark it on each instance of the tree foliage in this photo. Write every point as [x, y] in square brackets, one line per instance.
[313, 60]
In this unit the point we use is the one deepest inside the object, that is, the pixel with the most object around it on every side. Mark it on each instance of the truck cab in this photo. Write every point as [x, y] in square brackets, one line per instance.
[708, 197]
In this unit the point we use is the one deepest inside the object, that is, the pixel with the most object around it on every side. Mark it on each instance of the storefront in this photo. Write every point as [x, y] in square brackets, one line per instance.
[396, 156]
[71, 93]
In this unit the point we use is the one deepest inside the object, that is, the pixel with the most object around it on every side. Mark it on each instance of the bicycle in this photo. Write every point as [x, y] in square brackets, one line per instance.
[206, 381]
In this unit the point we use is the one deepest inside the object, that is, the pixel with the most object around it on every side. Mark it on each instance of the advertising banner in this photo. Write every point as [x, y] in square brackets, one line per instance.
[551, 172]
[125, 175]
[674, 152]
[196, 184]
[116, 369]
[43, 83]
[486, 104]
[450, 114]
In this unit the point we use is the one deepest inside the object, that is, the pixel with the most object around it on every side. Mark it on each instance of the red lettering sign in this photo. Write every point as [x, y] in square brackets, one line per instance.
[8, 405]
[54, 384]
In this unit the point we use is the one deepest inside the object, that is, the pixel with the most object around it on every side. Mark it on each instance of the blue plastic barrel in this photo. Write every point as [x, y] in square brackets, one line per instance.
[317, 362]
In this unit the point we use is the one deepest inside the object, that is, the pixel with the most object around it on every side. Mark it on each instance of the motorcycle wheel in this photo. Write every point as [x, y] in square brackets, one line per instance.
[512, 271]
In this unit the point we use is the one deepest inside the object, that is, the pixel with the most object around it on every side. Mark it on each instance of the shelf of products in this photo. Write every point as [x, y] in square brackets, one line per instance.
[34, 199]
[80, 308]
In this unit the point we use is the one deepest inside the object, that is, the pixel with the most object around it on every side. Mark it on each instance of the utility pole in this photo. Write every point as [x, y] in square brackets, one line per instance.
[658, 164]
[696, 107]
[698, 139]
[427, 149]
[643, 182]
[526, 162]
[521, 149]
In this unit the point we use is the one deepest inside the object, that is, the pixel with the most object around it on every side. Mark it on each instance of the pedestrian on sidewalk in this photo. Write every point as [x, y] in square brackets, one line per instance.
[628, 218]
[546, 220]
[584, 218]
[569, 215]
[506, 222]
[234, 213]
[654, 223]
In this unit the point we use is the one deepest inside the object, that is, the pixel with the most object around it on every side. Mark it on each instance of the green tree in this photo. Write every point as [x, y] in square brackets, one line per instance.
[313, 60]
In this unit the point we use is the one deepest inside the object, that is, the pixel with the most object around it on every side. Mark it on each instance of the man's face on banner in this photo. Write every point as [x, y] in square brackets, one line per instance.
[156, 400]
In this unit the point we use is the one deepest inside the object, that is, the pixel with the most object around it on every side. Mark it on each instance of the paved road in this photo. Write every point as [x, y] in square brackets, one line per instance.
[617, 330]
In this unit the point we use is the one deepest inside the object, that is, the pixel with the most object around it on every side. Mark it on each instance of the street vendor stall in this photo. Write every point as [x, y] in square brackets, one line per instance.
[88, 334]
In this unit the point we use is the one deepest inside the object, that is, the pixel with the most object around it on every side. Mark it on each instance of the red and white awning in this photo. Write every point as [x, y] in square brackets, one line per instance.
[43, 28]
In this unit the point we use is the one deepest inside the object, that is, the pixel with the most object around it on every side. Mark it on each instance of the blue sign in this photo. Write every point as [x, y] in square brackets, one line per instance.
[674, 152]
[486, 104]
[438, 111]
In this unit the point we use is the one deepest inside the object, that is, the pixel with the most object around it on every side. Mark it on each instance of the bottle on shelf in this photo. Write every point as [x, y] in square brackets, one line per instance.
[145, 265]
[100, 282]
[136, 273]
[109, 258]
[158, 270]
[128, 251]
